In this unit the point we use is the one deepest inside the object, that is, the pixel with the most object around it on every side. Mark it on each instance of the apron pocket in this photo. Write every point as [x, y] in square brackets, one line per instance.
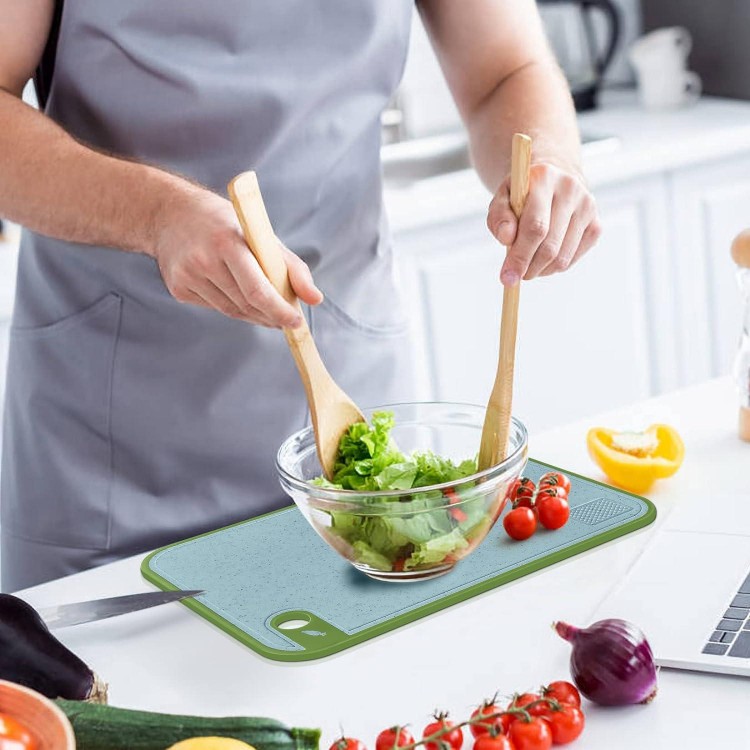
[57, 447]
[372, 363]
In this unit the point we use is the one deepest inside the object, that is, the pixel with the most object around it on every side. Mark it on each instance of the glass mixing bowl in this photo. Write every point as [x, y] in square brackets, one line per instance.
[410, 534]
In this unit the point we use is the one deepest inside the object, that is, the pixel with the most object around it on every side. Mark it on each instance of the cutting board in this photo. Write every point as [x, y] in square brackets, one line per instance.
[278, 588]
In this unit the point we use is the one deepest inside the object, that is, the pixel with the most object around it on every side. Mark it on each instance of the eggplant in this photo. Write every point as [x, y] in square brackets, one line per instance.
[31, 656]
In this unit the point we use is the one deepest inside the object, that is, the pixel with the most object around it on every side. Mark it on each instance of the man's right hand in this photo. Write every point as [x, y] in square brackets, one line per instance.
[56, 185]
[204, 260]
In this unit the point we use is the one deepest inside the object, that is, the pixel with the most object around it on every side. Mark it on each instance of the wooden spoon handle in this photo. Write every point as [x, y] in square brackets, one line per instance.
[520, 173]
[496, 431]
[244, 192]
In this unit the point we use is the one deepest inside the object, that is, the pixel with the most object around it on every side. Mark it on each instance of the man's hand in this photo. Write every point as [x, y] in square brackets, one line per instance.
[558, 225]
[204, 260]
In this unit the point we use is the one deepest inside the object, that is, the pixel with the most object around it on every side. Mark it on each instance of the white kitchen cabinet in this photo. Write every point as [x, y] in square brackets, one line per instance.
[711, 204]
[585, 338]
[654, 307]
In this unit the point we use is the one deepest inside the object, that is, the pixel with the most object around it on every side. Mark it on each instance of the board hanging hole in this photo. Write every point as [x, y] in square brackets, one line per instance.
[293, 624]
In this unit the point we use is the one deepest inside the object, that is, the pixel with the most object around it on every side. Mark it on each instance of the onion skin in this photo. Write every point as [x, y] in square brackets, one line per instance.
[611, 662]
[31, 656]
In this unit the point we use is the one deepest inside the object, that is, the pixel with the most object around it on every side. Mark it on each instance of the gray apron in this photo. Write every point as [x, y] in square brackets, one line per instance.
[132, 420]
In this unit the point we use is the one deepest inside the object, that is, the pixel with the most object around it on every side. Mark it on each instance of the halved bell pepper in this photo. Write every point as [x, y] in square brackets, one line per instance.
[634, 460]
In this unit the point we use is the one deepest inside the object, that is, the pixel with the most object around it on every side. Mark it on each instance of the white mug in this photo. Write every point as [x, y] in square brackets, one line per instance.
[660, 62]
[662, 88]
[668, 46]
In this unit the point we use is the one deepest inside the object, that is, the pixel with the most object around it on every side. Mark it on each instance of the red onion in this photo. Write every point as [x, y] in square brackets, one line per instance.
[611, 662]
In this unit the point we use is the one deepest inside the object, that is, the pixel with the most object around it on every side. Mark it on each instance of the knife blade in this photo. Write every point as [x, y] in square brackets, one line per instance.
[65, 615]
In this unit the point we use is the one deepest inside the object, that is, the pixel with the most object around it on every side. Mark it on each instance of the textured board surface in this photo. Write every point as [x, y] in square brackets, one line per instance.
[266, 571]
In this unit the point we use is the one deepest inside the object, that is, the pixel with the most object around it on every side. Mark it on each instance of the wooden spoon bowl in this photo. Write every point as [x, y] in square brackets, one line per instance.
[46, 722]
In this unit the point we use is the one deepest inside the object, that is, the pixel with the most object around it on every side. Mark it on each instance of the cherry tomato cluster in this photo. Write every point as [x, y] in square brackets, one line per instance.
[531, 721]
[546, 503]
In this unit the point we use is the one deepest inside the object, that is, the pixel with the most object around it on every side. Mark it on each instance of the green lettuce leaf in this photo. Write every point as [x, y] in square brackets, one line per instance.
[368, 460]
[436, 549]
[368, 556]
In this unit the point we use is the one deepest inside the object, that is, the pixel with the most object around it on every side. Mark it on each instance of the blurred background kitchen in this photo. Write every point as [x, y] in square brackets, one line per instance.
[666, 130]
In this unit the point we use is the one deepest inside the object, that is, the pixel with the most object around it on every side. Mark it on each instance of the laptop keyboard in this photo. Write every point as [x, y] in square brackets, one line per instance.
[732, 634]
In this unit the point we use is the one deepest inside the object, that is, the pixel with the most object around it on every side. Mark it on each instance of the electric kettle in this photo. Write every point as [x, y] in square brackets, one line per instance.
[574, 32]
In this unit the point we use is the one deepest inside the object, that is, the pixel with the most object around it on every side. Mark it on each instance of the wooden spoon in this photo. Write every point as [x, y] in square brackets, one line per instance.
[331, 409]
[494, 446]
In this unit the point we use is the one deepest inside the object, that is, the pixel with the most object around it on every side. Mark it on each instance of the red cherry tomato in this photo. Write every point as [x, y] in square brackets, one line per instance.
[393, 737]
[522, 487]
[563, 692]
[520, 523]
[550, 492]
[555, 479]
[565, 723]
[454, 738]
[498, 742]
[499, 723]
[14, 735]
[526, 502]
[523, 700]
[456, 513]
[553, 512]
[347, 743]
[531, 735]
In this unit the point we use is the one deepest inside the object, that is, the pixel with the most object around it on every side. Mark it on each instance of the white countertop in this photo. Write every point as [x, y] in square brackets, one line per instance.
[650, 142]
[170, 659]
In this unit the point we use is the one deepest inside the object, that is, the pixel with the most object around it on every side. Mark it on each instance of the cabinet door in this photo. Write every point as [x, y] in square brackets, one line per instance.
[584, 342]
[711, 205]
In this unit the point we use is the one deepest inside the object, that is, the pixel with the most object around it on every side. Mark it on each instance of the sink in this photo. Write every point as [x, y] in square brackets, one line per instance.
[411, 160]
[415, 159]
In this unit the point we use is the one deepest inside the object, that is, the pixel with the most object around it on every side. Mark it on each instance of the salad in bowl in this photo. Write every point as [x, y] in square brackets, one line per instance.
[405, 501]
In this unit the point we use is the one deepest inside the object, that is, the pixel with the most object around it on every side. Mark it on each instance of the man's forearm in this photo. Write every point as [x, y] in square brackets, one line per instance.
[55, 185]
[534, 100]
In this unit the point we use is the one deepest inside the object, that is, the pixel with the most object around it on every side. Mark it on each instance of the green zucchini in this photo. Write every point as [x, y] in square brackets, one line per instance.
[99, 727]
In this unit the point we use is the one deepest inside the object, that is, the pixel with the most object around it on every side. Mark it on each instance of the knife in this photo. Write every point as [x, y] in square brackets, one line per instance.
[64, 615]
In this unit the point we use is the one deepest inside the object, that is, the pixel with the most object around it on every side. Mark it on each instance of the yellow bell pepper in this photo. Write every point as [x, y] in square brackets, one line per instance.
[211, 743]
[634, 460]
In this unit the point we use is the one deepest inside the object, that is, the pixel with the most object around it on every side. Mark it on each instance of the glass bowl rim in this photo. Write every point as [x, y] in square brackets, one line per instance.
[330, 493]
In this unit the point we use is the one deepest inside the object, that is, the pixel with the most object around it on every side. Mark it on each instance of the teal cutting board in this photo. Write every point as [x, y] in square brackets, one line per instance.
[274, 569]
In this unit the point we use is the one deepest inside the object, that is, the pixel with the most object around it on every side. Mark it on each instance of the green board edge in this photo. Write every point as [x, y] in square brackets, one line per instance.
[416, 614]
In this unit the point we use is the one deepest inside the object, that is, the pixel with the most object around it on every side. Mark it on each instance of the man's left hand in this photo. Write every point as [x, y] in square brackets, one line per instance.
[559, 224]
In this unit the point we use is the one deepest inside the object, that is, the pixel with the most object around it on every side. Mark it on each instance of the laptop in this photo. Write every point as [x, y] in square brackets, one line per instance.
[690, 589]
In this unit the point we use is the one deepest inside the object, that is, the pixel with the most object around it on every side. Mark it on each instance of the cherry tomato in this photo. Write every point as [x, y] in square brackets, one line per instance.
[531, 735]
[525, 502]
[393, 737]
[551, 492]
[498, 742]
[347, 743]
[498, 723]
[522, 700]
[555, 479]
[564, 692]
[553, 512]
[566, 723]
[453, 499]
[520, 523]
[14, 735]
[454, 738]
[522, 487]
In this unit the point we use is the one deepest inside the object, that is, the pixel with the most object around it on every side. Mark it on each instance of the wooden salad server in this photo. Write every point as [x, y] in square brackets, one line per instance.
[331, 409]
[496, 430]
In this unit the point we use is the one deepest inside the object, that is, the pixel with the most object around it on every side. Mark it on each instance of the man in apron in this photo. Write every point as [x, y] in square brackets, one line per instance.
[133, 420]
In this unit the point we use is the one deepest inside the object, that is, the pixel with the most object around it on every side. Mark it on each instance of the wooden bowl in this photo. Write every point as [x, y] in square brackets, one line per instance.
[48, 724]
